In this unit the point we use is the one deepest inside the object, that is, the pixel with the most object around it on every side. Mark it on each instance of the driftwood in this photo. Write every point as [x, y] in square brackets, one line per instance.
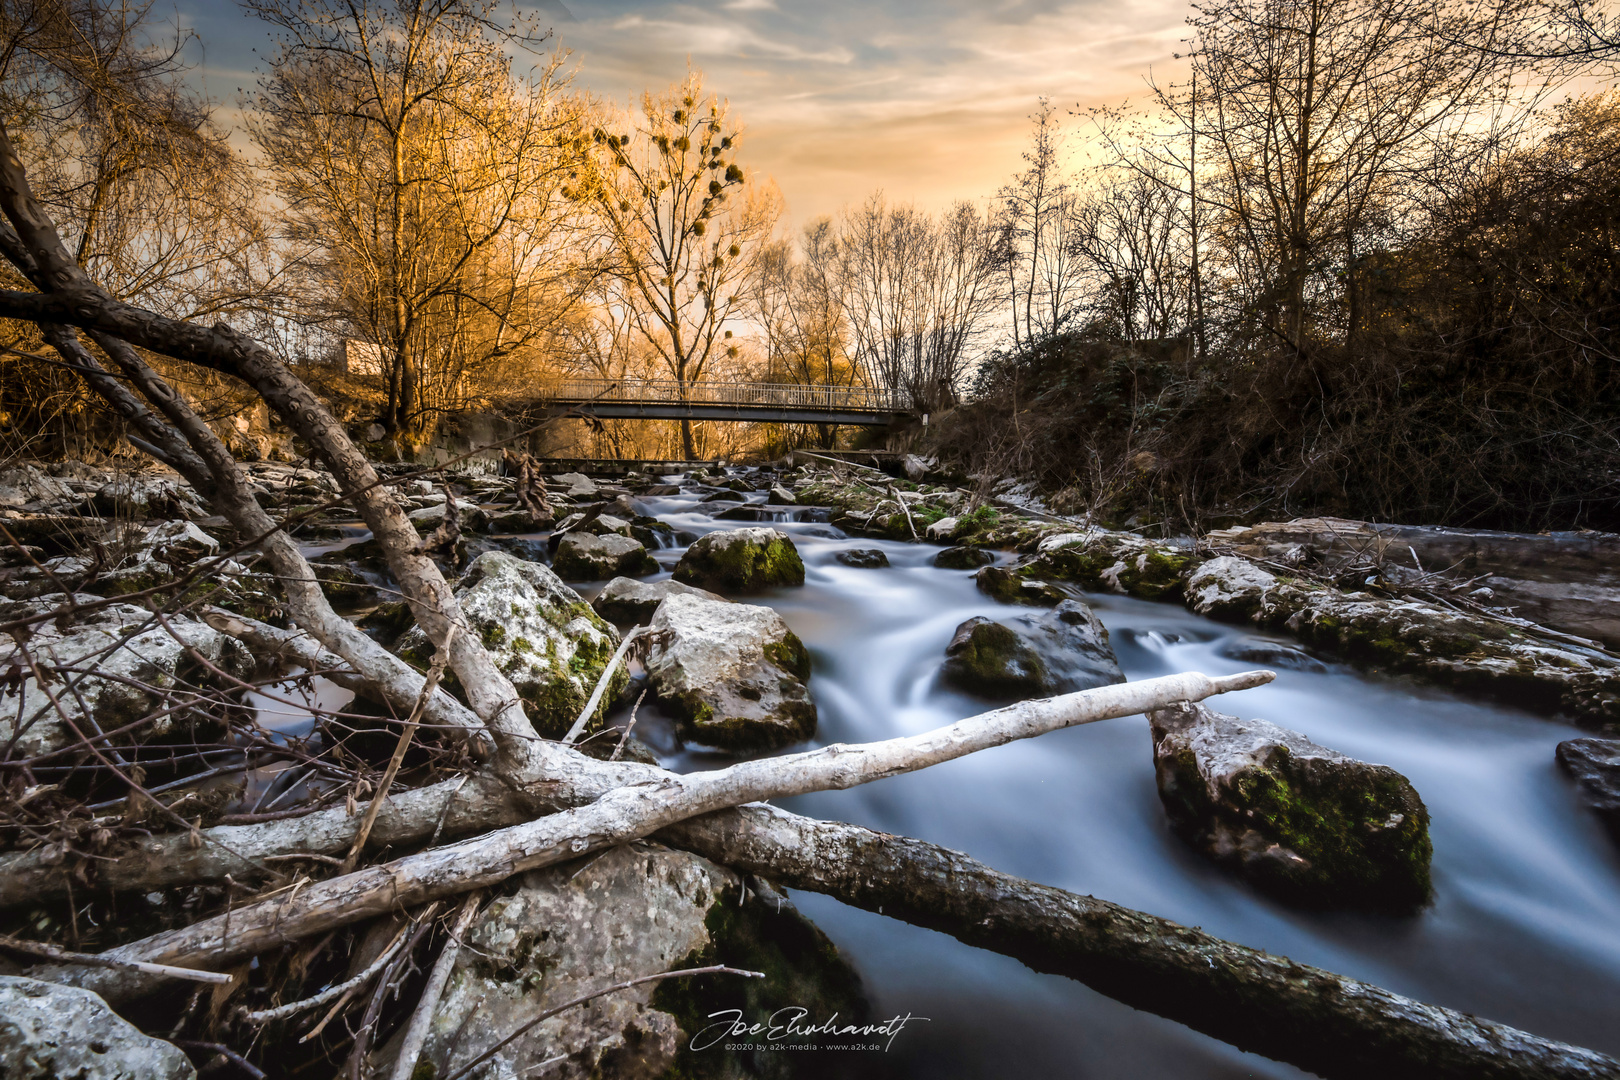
[625, 813]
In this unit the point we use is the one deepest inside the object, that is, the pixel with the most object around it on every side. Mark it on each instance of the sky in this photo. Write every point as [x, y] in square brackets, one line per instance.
[928, 101]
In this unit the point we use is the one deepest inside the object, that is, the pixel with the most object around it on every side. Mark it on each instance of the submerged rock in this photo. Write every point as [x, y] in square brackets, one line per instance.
[93, 668]
[1032, 656]
[1301, 822]
[863, 558]
[626, 600]
[741, 560]
[584, 557]
[635, 910]
[963, 558]
[48, 1031]
[733, 675]
[1273, 654]
[541, 634]
[1595, 765]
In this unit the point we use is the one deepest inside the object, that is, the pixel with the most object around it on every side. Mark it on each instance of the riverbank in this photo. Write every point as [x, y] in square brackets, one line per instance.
[1076, 809]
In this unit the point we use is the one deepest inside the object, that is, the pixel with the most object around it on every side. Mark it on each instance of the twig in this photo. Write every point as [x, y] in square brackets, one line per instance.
[51, 952]
[602, 684]
[628, 728]
[225, 1052]
[717, 969]
[904, 509]
[281, 1012]
[355, 1066]
[416, 1032]
[431, 683]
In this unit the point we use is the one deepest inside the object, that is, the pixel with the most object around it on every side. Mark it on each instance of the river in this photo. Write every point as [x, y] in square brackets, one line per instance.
[1525, 923]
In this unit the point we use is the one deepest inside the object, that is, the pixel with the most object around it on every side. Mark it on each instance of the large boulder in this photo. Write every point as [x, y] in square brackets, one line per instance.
[114, 662]
[541, 633]
[584, 557]
[49, 1031]
[1301, 822]
[1032, 656]
[741, 560]
[733, 675]
[1227, 587]
[626, 600]
[635, 910]
[1595, 765]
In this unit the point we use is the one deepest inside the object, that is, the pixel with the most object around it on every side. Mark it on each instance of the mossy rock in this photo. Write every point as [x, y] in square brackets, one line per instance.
[741, 561]
[989, 659]
[1012, 585]
[342, 585]
[386, 622]
[584, 557]
[963, 558]
[541, 634]
[1301, 822]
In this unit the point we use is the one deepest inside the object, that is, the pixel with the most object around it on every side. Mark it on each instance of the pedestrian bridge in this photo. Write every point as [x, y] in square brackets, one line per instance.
[770, 403]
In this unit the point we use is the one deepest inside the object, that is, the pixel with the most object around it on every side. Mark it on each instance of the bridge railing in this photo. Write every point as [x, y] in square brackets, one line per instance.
[743, 395]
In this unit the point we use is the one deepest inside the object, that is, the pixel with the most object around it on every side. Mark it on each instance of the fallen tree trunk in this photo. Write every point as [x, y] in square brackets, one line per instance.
[624, 813]
[1305, 1016]
[366, 667]
[454, 808]
[1326, 1023]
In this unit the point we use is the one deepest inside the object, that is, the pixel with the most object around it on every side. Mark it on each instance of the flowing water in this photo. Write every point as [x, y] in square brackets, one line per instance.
[1525, 924]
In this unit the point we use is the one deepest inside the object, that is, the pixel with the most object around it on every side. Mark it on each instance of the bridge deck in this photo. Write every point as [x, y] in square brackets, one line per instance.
[788, 403]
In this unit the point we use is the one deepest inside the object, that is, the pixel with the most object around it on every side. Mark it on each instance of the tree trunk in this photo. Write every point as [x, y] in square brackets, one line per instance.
[1319, 1021]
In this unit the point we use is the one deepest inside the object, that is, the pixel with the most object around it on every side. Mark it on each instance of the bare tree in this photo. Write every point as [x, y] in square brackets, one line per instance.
[1130, 244]
[799, 307]
[425, 180]
[1037, 212]
[684, 224]
[1318, 124]
[919, 293]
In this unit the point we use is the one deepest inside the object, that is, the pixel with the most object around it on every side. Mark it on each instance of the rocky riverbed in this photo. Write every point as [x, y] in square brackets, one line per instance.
[787, 605]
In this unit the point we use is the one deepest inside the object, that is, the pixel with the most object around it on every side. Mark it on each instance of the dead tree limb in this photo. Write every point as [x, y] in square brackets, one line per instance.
[624, 813]
[1328, 1024]
[1250, 999]
[68, 296]
[427, 1006]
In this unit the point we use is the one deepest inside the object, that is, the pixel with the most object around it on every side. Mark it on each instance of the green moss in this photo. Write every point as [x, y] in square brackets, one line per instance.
[790, 655]
[493, 635]
[802, 969]
[741, 567]
[1361, 833]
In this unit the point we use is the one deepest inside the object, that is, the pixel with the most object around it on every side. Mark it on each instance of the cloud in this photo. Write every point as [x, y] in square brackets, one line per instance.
[926, 99]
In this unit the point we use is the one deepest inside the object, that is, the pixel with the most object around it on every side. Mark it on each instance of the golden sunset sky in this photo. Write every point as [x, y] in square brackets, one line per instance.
[926, 100]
